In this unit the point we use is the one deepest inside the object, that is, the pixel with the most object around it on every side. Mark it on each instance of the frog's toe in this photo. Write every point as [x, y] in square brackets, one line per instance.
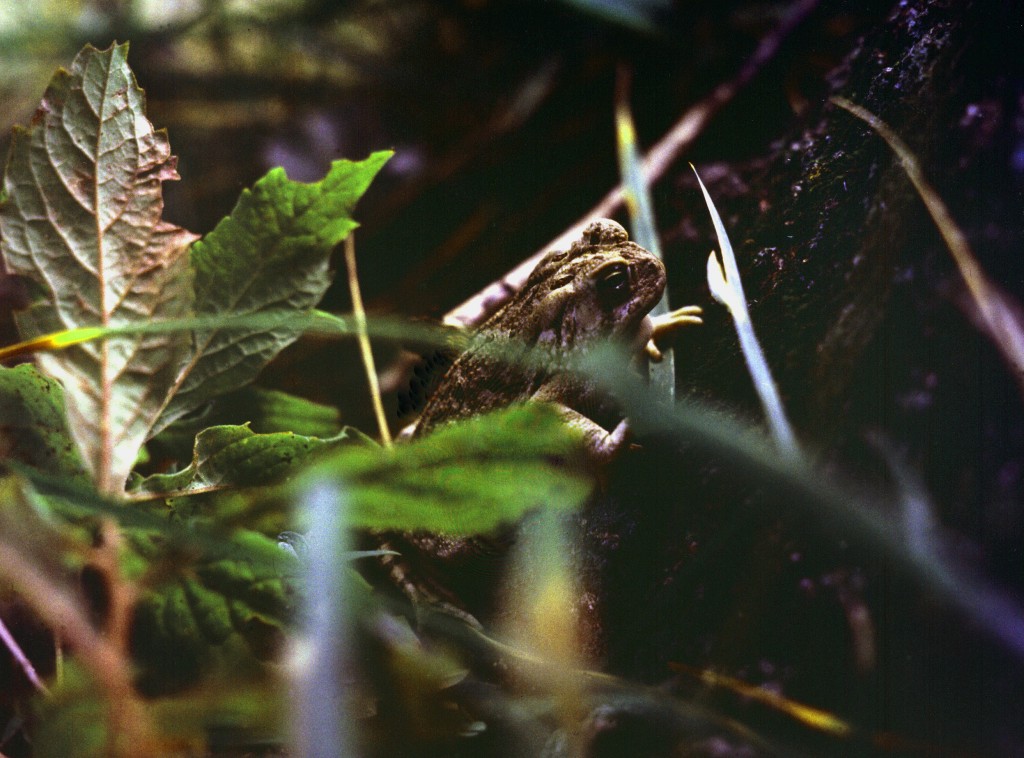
[667, 323]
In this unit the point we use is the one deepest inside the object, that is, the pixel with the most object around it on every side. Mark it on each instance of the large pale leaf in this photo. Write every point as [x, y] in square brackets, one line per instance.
[82, 222]
[269, 257]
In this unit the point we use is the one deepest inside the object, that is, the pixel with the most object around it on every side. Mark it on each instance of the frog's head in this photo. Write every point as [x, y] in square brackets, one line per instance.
[602, 287]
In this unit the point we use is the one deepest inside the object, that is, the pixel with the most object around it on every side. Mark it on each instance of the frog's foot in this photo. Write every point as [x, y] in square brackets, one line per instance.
[668, 323]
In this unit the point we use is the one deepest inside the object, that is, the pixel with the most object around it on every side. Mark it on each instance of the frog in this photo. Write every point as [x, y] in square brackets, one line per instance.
[602, 288]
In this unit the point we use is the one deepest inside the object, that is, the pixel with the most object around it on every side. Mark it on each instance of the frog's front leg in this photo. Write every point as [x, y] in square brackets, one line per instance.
[667, 323]
[602, 446]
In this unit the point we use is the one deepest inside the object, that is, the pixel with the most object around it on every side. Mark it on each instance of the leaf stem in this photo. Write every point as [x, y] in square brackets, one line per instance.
[364, 340]
[108, 664]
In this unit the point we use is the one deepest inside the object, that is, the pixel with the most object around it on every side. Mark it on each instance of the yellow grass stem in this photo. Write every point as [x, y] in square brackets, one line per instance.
[364, 340]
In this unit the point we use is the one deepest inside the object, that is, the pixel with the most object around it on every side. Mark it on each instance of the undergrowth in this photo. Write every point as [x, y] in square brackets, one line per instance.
[184, 541]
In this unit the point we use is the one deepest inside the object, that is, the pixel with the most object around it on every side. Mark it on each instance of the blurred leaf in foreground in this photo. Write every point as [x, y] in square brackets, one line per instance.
[71, 722]
[74, 722]
[82, 221]
[465, 478]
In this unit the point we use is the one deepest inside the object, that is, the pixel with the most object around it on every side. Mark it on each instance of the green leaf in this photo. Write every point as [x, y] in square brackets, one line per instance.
[231, 708]
[265, 411]
[33, 428]
[71, 722]
[210, 610]
[232, 456]
[465, 478]
[269, 411]
[82, 222]
[227, 611]
[270, 256]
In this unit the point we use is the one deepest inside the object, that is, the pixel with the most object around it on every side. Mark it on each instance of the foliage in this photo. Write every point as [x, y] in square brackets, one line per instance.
[466, 478]
[270, 256]
[230, 456]
[82, 224]
[139, 327]
[174, 596]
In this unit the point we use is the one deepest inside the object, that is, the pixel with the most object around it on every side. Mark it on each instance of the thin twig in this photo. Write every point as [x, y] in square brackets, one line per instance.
[19, 655]
[364, 340]
[655, 163]
[1000, 315]
[122, 594]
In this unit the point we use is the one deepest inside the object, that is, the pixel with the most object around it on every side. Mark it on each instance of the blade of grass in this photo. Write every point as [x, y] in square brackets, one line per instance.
[727, 288]
[542, 591]
[319, 656]
[828, 500]
[637, 196]
[315, 323]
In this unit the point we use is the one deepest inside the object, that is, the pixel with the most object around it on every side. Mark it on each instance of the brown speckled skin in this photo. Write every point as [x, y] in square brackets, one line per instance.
[601, 288]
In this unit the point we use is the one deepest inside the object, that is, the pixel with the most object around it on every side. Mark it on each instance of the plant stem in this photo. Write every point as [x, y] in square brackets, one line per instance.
[364, 340]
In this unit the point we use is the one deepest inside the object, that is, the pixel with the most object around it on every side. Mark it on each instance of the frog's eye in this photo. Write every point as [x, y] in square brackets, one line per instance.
[613, 284]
